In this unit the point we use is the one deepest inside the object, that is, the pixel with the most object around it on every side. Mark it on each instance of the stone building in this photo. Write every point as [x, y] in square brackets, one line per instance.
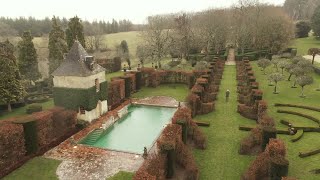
[80, 84]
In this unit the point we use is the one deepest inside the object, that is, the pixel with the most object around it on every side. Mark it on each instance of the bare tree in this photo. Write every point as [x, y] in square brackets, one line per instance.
[303, 81]
[264, 63]
[275, 77]
[94, 36]
[156, 36]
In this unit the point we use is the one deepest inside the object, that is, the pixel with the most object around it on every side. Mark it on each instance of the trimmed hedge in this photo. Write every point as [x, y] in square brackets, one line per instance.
[271, 164]
[285, 122]
[309, 153]
[300, 114]
[245, 128]
[30, 134]
[38, 98]
[12, 146]
[72, 98]
[33, 108]
[297, 136]
[297, 106]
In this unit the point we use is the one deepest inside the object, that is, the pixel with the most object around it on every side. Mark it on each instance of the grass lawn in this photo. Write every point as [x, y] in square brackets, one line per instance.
[221, 159]
[299, 167]
[22, 110]
[303, 44]
[36, 168]
[177, 91]
[122, 176]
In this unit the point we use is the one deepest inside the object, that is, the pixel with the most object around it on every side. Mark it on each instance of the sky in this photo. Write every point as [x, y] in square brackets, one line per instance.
[134, 10]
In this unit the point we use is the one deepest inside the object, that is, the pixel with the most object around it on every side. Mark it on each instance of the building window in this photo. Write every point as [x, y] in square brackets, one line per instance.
[96, 81]
[82, 110]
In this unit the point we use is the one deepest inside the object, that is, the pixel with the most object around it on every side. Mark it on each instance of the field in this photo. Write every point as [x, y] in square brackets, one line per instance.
[303, 44]
[108, 40]
[299, 167]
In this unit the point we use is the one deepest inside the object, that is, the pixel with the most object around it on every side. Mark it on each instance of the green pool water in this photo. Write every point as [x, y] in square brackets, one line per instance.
[139, 129]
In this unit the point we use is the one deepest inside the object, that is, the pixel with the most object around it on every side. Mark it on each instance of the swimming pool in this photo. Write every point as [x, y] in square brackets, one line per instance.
[138, 129]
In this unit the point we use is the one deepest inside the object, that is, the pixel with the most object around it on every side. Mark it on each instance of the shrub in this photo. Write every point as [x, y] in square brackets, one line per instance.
[199, 139]
[33, 108]
[12, 146]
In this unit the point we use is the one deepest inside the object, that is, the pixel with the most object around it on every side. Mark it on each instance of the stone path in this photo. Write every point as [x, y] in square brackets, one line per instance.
[231, 57]
[309, 57]
[84, 162]
[99, 167]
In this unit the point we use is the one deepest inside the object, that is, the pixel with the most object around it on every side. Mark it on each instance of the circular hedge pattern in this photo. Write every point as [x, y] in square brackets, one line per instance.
[39, 98]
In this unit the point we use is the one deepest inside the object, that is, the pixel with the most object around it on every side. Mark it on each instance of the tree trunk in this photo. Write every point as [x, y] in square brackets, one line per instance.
[289, 78]
[313, 57]
[275, 88]
[9, 107]
[281, 70]
[302, 95]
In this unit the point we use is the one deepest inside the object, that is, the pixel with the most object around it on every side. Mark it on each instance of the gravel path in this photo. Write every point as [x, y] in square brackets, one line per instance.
[231, 58]
[309, 57]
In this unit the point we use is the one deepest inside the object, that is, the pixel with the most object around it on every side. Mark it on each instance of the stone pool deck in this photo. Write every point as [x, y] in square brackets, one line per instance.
[162, 101]
[81, 162]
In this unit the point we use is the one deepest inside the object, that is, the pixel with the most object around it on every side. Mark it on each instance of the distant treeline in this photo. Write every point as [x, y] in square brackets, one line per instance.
[39, 27]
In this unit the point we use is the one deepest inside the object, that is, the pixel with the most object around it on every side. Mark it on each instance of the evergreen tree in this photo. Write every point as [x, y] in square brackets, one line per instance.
[124, 52]
[57, 46]
[302, 29]
[28, 63]
[75, 31]
[315, 21]
[11, 88]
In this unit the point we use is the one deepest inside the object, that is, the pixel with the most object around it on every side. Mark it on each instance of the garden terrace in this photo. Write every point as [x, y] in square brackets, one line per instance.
[299, 167]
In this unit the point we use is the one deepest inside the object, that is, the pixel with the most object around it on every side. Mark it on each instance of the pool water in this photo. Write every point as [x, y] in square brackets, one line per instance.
[138, 129]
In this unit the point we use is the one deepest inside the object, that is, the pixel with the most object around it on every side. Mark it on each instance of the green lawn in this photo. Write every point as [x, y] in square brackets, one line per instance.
[177, 91]
[299, 167]
[221, 159]
[303, 44]
[37, 168]
[122, 176]
[22, 110]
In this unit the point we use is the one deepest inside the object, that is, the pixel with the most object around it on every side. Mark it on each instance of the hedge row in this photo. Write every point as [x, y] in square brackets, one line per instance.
[71, 98]
[204, 91]
[183, 117]
[171, 150]
[116, 92]
[300, 114]
[297, 136]
[12, 149]
[297, 106]
[309, 153]
[252, 55]
[271, 164]
[24, 137]
[253, 107]
[111, 65]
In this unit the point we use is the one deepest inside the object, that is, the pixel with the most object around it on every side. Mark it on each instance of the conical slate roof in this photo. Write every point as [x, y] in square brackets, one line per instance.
[75, 65]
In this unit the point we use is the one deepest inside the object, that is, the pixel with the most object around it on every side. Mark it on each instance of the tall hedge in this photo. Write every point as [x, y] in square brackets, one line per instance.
[30, 134]
[12, 148]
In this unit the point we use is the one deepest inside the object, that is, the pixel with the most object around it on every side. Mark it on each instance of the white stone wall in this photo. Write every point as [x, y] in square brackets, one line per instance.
[123, 111]
[102, 108]
[78, 82]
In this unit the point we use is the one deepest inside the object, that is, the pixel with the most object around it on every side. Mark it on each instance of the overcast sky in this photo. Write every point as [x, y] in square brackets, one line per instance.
[134, 10]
